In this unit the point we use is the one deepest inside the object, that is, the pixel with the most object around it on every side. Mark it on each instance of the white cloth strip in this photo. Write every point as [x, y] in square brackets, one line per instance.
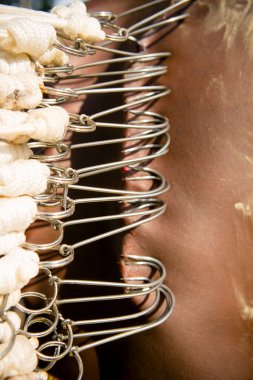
[10, 241]
[27, 36]
[79, 24]
[10, 152]
[14, 64]
[44, 124]
[17, 269]
[21, 91]
[54, 57]
[21, 360]
[16, 214]
[23, 177]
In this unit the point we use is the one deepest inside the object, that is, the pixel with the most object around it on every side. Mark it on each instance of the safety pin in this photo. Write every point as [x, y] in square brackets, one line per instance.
[135, 100]
[81, 123]
[131, 78]
[140, 136]
[147, 72]
[145, 210]
[67, 93]
[62, 176]
[69, 69]
[82, 48]
[67, 205]
[159, 186]
[151, 121]
[120, 35]
[159, 24]
[126, 317]
[37, 317]
[62, 149]
[66, 325]
[106, 16]
[168, 298]
[131, 286]
[78, 49]
[138, 161]
[116, 333]
[106, 49]
[49, 302]
[145, 216]
[173, 8]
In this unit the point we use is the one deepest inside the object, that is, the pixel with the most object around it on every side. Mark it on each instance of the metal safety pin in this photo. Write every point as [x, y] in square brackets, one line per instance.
[138, 161]
[132, 73]
[165, 296]
[78, 49]
[149, 57]
[159, 186]
[62, 149]
[141, 137]
[114, 334]
[171, 9]
[136, 100]
[130, 286]
[151, 28]
[124, 332]
[145, 210]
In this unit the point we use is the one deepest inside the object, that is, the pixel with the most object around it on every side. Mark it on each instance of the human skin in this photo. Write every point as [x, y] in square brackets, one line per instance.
[205, 237]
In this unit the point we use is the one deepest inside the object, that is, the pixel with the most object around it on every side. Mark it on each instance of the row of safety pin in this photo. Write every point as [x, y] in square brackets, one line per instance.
[169, 16]
[63, 333]
[149, 135]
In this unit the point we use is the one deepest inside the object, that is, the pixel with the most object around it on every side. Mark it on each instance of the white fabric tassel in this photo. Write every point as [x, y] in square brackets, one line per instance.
[10, 241]
[17, 269]
[44, 124]
[49, 123]
[21, 360]
[23, 177]
[8, 117]
[27, 36]
[14, 64]
[5, 329]
[10, 152]
[21, 91]
[79, 24]
[54, 57]
[16, 214]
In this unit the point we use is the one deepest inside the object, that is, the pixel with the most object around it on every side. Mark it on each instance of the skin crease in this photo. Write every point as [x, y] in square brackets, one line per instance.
[205, 237]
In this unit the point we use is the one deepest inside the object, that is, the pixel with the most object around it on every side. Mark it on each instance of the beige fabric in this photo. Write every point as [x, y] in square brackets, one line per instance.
[16, 361]
[23, 177]
[17, 269]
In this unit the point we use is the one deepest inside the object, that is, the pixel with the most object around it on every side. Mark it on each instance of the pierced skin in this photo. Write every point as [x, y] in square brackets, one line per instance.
[205, 237]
